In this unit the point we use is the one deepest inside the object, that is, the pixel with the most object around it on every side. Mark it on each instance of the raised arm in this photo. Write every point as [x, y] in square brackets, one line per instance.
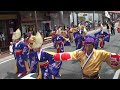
[65, 56]
[115, 61]
[112, 59]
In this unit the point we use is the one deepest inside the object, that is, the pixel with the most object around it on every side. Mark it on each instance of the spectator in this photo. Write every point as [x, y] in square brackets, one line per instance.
[11, 48]
[108, 28]
[112, 28]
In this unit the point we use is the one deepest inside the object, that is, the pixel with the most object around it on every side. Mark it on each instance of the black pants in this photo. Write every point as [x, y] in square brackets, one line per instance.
[113, 31]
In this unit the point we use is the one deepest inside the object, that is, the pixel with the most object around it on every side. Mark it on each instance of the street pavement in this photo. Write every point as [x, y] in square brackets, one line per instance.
[69, 69]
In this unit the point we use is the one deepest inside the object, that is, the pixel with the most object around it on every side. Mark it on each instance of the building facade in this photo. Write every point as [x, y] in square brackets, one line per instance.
[9, 22]
[28, 21]
[45, 20]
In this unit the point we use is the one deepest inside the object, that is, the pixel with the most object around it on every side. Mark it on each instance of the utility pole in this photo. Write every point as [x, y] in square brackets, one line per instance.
[77, 12]
[93, 20]
[61, 18]
[73, 16]
[36, 23]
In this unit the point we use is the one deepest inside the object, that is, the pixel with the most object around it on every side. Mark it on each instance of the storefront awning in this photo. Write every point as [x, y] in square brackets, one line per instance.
[115, 12]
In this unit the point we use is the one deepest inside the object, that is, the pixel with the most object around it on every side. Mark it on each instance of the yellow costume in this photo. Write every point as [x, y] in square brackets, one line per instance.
[91, 64]
[72, 30]
[94, 64]
[84, 30]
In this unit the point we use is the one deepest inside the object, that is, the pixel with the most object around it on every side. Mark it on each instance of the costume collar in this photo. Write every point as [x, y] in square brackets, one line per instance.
[90, 53]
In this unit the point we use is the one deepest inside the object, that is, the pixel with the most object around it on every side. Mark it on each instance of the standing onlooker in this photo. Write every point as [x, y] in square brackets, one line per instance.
[11, 48]
[112, 28]
[108, 28]
[55, 28]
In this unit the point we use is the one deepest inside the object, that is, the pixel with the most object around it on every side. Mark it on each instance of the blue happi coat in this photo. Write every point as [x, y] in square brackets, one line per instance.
[52, 69]
[33, 61]
[78, 37]
[67, 43]
[21, 55]
[14, 49]
[60, 49]
[106, 35]
[60, 43]
[74, 35]
[54, 41]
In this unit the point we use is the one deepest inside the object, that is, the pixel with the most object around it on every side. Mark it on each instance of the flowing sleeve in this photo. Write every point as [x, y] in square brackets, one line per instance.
[96, 34]
[105, 33]
[112, 59]
[65, 56]
[49, 56]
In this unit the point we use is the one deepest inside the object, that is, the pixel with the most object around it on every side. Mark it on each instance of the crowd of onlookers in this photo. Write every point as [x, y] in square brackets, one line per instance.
[111, 26]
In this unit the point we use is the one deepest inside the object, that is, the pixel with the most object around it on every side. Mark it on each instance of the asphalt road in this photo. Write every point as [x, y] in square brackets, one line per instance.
[69, 69]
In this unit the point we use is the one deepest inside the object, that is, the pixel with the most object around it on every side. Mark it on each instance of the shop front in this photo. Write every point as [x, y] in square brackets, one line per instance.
[28, 21]
[8, 24]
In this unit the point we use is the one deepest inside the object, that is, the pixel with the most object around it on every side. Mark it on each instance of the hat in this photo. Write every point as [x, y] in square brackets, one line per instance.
[16, 35]
[37, 41]
[89, 40]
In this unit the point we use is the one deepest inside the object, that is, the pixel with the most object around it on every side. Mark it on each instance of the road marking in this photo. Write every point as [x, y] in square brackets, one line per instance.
[6, 60]
[28, 76]
[44, 47]
[117, 73]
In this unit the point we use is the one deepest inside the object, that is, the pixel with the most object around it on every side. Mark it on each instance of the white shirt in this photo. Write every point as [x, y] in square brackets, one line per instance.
[39, 54]
[17, 43]
[11, 48]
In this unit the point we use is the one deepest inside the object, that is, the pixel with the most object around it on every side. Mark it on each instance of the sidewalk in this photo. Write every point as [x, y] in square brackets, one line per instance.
[6, 53]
